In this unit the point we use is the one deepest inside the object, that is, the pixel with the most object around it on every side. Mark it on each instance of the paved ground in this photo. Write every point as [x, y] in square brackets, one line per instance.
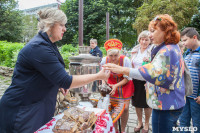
[132, 122]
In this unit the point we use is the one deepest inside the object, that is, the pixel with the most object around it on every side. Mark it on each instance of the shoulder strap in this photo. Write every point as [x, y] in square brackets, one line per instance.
[121, 62]
[107, 60]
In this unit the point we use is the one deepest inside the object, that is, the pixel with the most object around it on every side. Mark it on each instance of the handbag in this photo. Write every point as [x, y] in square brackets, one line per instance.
[187, 81]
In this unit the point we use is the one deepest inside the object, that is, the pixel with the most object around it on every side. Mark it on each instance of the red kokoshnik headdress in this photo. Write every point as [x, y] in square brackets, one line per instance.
[113, 44]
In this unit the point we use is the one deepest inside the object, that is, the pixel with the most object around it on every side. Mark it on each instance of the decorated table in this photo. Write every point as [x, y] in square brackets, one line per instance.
[103, 124]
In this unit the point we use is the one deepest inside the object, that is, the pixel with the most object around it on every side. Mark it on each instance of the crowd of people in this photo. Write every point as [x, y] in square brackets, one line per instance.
[152, 79]
[158, 76]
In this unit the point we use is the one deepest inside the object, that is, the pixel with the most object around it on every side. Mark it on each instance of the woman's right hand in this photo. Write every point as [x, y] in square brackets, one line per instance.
[146, 59]
[64, 91]
[116, 68]
[103, 82]
[113, 67]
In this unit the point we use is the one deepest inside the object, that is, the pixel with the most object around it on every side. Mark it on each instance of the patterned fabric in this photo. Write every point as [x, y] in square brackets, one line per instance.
[103, 124]
[113, 44]
[122, 92]
[192, 60]
[165, 86]
[116, 109]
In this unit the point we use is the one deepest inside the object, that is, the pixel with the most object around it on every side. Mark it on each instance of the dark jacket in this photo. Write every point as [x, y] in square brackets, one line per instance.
[96, 51]
[30, 100]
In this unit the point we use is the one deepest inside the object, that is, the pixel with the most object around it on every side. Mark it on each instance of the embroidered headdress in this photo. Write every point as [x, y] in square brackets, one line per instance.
[113, 44]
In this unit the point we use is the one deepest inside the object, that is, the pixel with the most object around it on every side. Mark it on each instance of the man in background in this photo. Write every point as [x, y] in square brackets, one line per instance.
[95, 50]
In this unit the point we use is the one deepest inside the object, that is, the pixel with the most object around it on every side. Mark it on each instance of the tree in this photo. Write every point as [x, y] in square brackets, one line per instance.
[70, 7]
[181, 11]
[195, 22]
[29, 27]
[10, 21]
[122, 15]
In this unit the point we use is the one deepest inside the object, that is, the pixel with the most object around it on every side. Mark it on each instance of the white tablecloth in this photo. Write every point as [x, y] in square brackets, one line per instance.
[103, 124]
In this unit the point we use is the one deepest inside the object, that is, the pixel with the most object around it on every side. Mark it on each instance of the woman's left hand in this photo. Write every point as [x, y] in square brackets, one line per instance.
[114, 87]
[145, 59]
[197, 100]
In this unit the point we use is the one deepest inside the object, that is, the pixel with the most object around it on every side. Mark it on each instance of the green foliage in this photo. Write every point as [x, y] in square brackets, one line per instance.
[66, 51]
[70, 7]
[103, 51]
[181, 10]
[9, 52]
[10, 21]
[122, 15]
[29, 27]
[195, 22]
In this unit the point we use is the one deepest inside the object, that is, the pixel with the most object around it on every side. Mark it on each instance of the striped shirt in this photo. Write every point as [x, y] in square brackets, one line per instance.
[192, 60]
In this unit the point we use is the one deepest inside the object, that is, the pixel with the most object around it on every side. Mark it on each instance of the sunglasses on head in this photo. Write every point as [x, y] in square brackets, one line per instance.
[157, 18]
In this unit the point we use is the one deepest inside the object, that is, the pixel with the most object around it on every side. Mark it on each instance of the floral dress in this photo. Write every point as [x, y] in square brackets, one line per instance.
[165, 87]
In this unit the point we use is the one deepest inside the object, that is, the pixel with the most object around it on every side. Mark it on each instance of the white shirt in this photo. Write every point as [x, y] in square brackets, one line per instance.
[137, 61]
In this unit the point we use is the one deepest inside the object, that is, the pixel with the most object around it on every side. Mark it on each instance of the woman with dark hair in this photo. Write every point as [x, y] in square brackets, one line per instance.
[165, 89]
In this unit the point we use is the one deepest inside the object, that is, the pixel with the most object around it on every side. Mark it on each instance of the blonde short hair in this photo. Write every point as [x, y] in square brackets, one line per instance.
[143, 34]
[93, 40]
[49, 16]
[113, 51]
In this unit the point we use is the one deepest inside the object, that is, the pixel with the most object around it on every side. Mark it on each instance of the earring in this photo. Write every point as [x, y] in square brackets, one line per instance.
[50, 35]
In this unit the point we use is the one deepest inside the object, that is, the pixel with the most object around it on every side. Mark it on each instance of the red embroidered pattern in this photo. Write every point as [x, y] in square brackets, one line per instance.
[48, 125]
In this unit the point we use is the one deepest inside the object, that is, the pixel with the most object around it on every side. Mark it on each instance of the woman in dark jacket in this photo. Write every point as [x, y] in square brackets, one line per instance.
[30, 100]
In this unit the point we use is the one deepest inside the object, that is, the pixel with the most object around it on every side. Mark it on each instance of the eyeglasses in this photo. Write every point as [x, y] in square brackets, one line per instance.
[38, 19]
[157, 18]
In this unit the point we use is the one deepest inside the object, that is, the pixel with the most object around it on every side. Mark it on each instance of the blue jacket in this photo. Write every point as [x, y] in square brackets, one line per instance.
[30, 100]
[95, 51]
[165, 80]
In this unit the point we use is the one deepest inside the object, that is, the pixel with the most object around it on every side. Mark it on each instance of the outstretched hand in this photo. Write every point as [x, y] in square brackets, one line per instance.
[104, 74]
[114, 68]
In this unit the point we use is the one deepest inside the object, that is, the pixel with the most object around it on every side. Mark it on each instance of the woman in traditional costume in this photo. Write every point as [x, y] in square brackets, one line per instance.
[122, 86]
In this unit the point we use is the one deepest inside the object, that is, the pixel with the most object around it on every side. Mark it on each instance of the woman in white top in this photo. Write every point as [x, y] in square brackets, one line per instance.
[140, 55]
